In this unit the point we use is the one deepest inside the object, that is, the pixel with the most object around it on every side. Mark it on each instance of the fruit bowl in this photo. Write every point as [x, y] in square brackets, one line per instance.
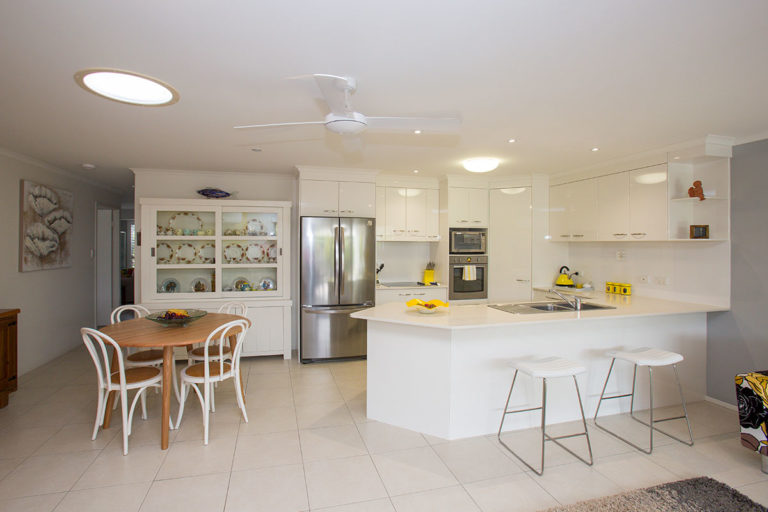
[427, 308]
[178, 317]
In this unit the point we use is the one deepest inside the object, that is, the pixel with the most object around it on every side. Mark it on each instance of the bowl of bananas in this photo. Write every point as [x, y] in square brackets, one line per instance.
[177, 317]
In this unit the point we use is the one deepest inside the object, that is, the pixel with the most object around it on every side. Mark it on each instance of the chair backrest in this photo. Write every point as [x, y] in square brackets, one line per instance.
[234, 308]
[137, 310]
[96, 342]
[220, 337]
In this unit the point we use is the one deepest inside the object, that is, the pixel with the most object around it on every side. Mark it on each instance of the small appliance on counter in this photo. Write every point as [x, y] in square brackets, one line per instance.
[564, 278]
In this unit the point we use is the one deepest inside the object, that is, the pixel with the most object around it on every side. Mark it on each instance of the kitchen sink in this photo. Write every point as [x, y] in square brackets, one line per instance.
[532, 308]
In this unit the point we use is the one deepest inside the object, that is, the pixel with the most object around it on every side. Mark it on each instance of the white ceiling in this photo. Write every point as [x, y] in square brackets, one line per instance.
[559, 76]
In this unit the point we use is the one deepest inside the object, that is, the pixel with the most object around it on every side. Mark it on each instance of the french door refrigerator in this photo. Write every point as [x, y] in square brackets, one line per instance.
[337, 279]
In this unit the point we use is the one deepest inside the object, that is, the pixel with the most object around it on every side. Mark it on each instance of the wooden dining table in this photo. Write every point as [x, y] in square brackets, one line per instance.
[146, 334]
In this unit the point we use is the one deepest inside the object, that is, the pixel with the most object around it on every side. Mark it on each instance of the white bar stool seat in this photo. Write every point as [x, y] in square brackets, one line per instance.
[547, 368]
[651, 358]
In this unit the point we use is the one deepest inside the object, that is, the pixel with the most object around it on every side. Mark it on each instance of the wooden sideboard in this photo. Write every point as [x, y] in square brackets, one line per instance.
[9, 381]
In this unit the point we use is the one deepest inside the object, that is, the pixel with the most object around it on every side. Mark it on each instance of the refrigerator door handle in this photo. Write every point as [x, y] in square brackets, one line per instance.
[336, 273]
[333, 311]
[341, 261]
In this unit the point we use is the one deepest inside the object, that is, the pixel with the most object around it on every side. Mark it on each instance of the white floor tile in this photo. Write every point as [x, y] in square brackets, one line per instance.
[45, 474]
[24, 441]
[76, 438]
[41, 503]
[518, 493]
[119, 498]
[380, 437]
[265, 450]
[269, 419]
[448, 499]
[111, 467]
[474, 459]
[333, 482]
[380, 505]
[633, 471]
[413, 470]
[191, 458]
[331, 443]
[274, 489]
[193, 494]
[756, 492]
[575, 482]
[323, 415]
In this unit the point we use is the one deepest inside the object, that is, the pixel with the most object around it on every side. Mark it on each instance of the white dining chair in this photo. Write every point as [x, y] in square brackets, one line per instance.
[211, 371]
[148, 357]
[123, 380]
[198, 354]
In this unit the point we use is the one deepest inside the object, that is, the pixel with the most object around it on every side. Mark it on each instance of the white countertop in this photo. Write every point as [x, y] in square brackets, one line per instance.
[474, 316]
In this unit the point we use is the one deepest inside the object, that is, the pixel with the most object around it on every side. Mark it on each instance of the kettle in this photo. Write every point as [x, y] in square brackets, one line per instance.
[564, 279]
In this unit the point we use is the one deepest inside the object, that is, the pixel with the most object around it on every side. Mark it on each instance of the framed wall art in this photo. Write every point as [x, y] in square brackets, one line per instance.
[46, 227]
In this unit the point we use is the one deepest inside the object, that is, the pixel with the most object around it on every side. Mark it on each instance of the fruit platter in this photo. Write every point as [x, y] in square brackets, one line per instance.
[178, 317]
[429, 307]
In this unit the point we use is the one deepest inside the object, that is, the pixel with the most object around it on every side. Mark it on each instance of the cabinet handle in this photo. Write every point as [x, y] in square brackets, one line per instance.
[433, 236]
[619, 234]
[578, 236]
[152, 251]
[415, 294]
[329, 211]
[565, 236]
[404, 294]
[639, 234]
[523, 280]
[463, 220]
[476, 221]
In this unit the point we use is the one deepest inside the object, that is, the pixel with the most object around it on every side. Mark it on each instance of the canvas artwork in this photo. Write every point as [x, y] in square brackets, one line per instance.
[46, 226]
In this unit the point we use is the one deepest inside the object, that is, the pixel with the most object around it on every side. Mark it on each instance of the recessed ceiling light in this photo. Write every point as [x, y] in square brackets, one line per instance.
[415, 171]
[417, 132]
[480, 164]
[127, 87]
[595, 149]
[511, 141]
[89, 167]
[676, 158]
[256, 150]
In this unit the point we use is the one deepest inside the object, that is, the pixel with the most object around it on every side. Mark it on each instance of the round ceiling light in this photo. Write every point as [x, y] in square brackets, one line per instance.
[480, 164]
[127, 87]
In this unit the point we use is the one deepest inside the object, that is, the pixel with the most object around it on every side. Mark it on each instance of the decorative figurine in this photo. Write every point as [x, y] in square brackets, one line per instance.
[696, 191]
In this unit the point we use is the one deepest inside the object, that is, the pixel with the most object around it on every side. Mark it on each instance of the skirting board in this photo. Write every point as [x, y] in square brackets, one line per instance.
[715, 401]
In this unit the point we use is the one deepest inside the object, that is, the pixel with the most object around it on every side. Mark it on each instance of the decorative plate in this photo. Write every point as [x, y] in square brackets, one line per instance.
[185, 253]
[272, 254]
[234, 253]
[213, 193]
[266, 284]
[164, 253]
[255, 253]
[255, 228]
[207, 253]
[201, 284]
[192, 315]
[170, 285]
[241, 284]
[186, 221]
[427, 308]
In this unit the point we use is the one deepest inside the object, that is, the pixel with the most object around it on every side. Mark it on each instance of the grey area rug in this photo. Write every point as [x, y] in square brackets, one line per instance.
[694, 495]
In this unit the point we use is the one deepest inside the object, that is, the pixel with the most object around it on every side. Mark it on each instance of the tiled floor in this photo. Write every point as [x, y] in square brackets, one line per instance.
[309, 446]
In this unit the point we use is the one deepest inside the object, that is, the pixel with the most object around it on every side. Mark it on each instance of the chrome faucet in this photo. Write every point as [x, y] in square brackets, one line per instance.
[576, 304]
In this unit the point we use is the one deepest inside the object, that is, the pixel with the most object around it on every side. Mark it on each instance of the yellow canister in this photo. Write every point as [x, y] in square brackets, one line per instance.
[609, 287]
[626, 289]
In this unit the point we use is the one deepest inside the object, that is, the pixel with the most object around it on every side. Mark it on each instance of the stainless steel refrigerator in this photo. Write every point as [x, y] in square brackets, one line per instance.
[337, 279]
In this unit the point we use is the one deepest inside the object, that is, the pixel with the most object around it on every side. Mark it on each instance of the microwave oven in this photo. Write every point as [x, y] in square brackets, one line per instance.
[468, 240]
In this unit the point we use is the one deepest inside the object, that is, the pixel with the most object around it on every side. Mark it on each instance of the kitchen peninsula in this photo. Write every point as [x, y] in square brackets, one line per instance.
[447, 374]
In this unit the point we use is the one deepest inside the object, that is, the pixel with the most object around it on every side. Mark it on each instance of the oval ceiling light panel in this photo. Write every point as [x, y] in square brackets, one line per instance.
[127, 87]
[651, 178]
[512, 191]
[480, 164]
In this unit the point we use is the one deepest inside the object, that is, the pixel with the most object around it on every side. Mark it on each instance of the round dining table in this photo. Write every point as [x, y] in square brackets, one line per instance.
[146, 334]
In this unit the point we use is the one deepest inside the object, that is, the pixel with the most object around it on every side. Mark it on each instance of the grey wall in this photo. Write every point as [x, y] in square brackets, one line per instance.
[737, 340]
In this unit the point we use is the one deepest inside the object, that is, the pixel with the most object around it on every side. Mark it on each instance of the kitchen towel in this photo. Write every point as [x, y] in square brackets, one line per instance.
[469, 273]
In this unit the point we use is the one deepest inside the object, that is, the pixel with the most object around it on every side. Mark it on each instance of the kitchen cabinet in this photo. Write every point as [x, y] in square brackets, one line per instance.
[410, 214]
[381, 212]
[613, 205]
[270, 332]
[8, 353]
[425, 293]
[648, 203]
[467, 207]
[573, 211]
[509, 247]
[320, 198]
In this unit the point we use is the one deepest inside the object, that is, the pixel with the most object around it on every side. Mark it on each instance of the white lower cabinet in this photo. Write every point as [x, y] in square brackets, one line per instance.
[270, 331]
[425, 293]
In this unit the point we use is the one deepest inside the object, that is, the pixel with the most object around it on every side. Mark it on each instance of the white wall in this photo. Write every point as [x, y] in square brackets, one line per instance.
[405, 261]
[54, 304]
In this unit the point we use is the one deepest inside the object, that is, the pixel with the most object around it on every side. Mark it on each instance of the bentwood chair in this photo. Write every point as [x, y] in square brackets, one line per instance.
[123, 380]
[212, 371]
[149, 357]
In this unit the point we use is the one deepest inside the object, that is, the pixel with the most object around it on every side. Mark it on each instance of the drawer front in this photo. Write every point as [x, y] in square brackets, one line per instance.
[405, 294]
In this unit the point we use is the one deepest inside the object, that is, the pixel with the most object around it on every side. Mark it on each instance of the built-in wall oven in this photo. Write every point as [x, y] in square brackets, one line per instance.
[468, 277]
[468, 240]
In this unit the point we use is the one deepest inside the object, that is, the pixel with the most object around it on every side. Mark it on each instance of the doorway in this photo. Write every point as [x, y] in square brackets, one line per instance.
[106, 263]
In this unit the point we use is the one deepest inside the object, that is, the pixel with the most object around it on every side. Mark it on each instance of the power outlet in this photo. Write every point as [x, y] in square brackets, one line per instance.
[620, 255]
[643, 279]
[662, 280]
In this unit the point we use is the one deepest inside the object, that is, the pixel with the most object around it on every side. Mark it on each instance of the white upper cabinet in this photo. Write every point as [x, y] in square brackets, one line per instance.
[357, 199]
[467, 207]
[409, 214]
[510, 244]
[381, 212]
[573, 211]
[558, 213]
[648, 203]
[320, 198]
[613, 205]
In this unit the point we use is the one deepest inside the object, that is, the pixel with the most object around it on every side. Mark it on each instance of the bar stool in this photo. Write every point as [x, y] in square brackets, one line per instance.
[650, 357]
[552, 367]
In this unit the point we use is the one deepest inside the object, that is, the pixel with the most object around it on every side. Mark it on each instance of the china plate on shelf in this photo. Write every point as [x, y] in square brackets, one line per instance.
[201, 284]
[186, 220]
[255, 228]
[272, 254]
[207, 253]
[254, 253]
[186, 253]
[234, 253]
[239, 283]
[164, 253]
[266, 284]
[170, 285]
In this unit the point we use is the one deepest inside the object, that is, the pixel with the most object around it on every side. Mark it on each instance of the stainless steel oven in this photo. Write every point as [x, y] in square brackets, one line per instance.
[468, 240]
[468, 278]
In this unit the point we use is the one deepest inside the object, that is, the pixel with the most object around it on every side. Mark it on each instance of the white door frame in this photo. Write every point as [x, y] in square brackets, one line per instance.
[115, 257]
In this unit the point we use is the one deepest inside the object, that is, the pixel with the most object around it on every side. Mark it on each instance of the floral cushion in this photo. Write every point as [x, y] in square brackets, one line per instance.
[752, 394]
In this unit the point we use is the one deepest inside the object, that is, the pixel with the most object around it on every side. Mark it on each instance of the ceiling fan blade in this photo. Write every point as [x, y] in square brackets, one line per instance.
[336, 91]
[272, 125]
[410, 124]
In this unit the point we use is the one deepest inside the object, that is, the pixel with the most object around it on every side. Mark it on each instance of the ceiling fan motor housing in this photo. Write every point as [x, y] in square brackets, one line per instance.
[345, 125]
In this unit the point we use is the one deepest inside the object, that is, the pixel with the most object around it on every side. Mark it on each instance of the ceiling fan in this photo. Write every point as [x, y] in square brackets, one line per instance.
[342, 119]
